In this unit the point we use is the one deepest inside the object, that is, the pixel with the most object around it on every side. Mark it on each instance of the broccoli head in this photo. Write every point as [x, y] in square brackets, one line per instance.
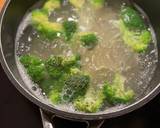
[97, 3]
[57, 65]
[116, 93]
[89, 40]
[71, 61]
[67, 88]
[55, 96]
[132, 19]
[91, 102]
[75, 86]
[54, 66]
[70, 27]
[28, 60]
[48, 30]
[50, 5]
[137, 40]
[36, 72]
[77, 3]
[34, 66]
[74, 71]
[55, 93]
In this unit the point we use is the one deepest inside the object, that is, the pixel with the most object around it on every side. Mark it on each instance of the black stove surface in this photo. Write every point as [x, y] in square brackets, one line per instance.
[17, 112]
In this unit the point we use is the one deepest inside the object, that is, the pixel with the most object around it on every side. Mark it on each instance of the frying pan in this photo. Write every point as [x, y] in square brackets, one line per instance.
[10, 18]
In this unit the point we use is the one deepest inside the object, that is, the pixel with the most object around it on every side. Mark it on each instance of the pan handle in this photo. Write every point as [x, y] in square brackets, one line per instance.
[95, 124]
[47, 119]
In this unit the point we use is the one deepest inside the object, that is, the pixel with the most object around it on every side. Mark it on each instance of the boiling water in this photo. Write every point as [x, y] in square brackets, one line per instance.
[110, 55]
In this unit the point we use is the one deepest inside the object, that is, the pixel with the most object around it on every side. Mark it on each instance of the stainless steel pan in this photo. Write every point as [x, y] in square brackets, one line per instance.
[11, 16]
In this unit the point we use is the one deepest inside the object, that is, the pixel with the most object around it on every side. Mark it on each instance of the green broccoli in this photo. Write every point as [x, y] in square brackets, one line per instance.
[57, 65]
[116, 93]
[28, 60]
[55, 96]
[51, 5]
[132, 19]
[97, 3]
[71, 61]
[74, 71]
[89, 40]
[70, 27]
[91, 102]
[75, 86]
[48, 30]
[56, 89]
[37, 73]
[61, 78]
[47, 85]
[66, 88]
[34, 66]
[137, 40]
[54, 66]
[77, 3]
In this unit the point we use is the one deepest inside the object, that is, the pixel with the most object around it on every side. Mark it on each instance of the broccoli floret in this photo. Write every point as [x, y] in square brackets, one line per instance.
[116, 93]
[77, 3]
[34, 66]
[54, 66]
[74, 71]
[132, 19]
[75, 86]
[57, 65]
[56, 89]
[97, 3]
[137, 40]
[91, 102]
[50, 5]
[71, 61]
[48, 30]
[28, 60]
[53, 87]
[70, 27]
[89, 40]
[55, 96]
[37, 73]
[47, 85]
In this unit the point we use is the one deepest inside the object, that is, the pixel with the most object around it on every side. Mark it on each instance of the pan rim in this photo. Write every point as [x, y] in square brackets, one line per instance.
[67, 114]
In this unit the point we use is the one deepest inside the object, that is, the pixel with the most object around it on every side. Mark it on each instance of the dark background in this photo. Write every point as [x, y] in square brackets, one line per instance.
[17, 112]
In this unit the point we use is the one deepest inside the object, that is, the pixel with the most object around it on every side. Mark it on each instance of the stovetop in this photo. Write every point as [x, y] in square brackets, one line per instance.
[17, 112]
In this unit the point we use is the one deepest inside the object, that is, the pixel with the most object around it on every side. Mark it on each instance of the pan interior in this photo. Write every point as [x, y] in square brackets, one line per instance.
[138, 76]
